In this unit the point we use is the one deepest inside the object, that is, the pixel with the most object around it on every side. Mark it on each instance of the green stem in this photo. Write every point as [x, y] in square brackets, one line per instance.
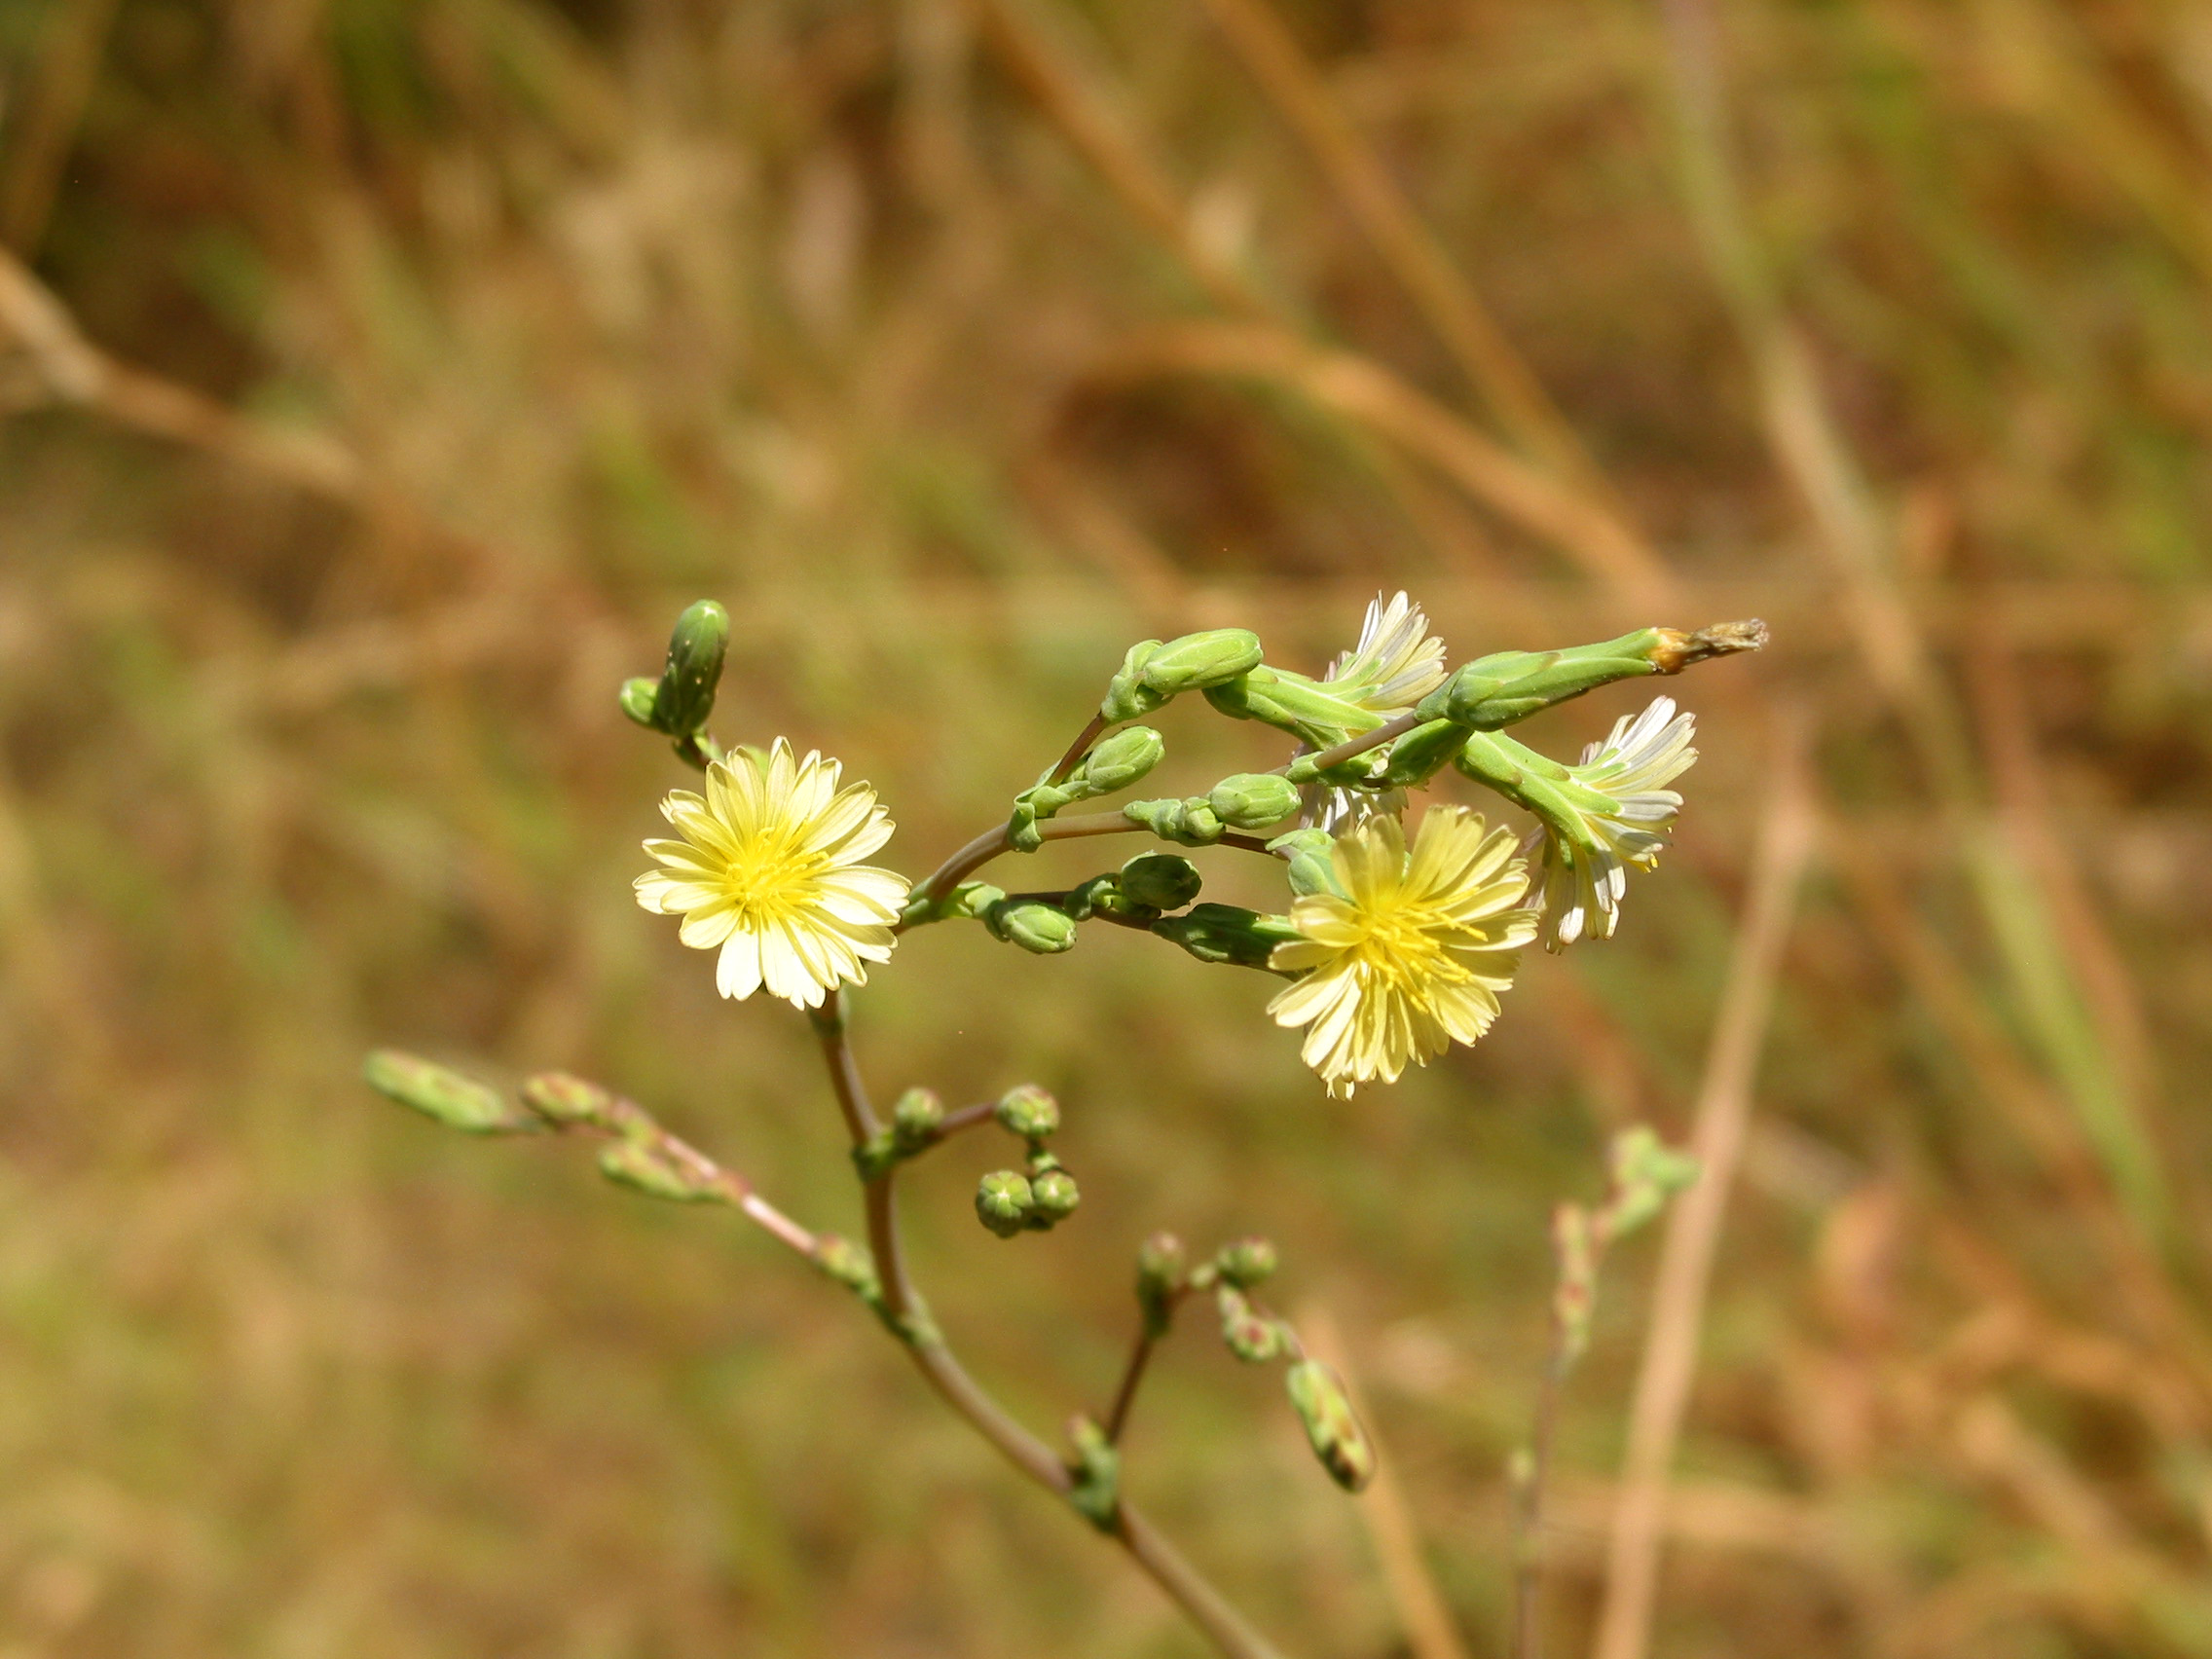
[992, 842]
[1184, 1584]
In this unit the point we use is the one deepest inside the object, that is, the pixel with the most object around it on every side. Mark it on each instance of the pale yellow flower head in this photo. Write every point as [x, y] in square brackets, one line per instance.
[769, 872]
[1410, 954]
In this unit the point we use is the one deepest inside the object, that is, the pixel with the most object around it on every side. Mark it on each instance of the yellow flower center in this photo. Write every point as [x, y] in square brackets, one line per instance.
[769, 879]
[1399, 948]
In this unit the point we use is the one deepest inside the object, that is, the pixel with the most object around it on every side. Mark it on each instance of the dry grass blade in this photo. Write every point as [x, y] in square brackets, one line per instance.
[72, 370]
[40, 133]
[1443, 294]
[1693, 1228]
[1364, 391]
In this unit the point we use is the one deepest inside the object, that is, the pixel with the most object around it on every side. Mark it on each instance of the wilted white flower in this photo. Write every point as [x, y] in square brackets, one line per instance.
[1396, 663]
[1583, 883]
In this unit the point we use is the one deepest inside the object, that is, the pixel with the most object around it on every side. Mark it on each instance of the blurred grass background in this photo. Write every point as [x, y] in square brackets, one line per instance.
[381, 376]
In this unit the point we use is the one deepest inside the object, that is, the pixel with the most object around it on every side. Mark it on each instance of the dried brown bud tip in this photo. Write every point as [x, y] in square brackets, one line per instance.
[1676, 650]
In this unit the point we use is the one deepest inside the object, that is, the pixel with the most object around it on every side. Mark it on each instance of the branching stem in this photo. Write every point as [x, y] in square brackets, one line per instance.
[1223, 1625]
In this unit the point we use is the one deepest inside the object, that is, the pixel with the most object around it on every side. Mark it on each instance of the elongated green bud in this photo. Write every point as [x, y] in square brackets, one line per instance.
[1332, 1427]
[642, 1168]
[1246, 1261]
[1121, 759]
[1165, 881]
[1053, 1196]
[1311, 857]
[559, 1098]
[1421, 753]
[1161, 1277]
[1497, 690]
[1029, 1112]
[1154, 673]
[438, 1091]
[1034, 925]
[1227, 933]
[1252, 1336]
[1188, 822]
[1003, 1201]
[1291, 702]
[637, 699]
[1253, 800]
[686, 694]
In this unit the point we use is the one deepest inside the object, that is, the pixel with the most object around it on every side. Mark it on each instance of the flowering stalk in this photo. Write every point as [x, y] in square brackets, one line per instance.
[1396, 947]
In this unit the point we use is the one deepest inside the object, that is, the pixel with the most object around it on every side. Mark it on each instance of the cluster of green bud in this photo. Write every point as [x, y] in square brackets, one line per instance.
[457, 1101]
[1332, 1427]
[1095, 1486]
[1039, 1198]
[1163, 1276]
[1646, 1173]
[1227, 933]
[1190, 822]
[1252, 1336]
[1311, 857]
[1110, 767]
[918, 1124]
[681, 700]
[1152, 673]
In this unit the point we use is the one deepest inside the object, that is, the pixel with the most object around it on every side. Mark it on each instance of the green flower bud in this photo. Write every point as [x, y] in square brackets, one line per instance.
[1646, 1173]
[1421, 753]
[1196, 661]
[637, 699]
[1511, 686]
[1291, 702]
[1252, 801]
[559, 1098]
[1032, 924]
[1189, 822]
[641, 1167]
[1152, 673]
[1312, 855]
[1053, 1196]
[686, 694]
[1332, 1427]
[1029, 1112]
[1246, 1261]
[1003, 1201]
[916, 1117]
[438, 1091]
[848, 1263]
[1252, 1336]
[1121, 760]
[1160, 1279]
[1097, 1488]
[1165, 881]
[1227, 933]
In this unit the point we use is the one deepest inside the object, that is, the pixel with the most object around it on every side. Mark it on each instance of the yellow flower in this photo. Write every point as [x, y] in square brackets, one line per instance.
[769, 871]
[1410, 954]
